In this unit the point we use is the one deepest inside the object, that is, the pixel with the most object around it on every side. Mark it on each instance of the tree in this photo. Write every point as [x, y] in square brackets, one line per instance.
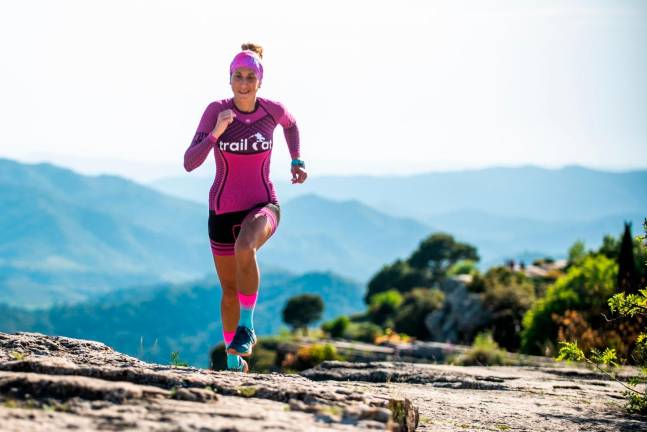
[507, 295]
[628, 277]
[302, 310]
[399, 276]
[438, 252]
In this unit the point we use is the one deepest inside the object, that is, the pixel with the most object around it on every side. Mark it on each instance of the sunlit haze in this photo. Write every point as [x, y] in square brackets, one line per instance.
[376, 87]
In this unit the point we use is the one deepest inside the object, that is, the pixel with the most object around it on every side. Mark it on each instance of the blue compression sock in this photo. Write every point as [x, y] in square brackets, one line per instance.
[247, 304]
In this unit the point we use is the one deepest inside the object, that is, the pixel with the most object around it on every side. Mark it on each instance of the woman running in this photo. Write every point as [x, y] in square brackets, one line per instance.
[243, 208]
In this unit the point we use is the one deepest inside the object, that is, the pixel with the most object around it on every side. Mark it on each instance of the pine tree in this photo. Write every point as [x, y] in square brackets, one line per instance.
[302, 310]
[628, 279]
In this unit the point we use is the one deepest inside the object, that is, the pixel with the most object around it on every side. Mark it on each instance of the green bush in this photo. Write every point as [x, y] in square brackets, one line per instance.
[484, 352]
[584, 288]
[309, 356]
[336, 328]
[416, 305]
[363, 331]
[318, 353]
[384, 305]
[507, 295]
[462, 267]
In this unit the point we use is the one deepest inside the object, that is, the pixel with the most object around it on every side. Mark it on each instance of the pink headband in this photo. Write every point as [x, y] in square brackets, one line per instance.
[247, 59]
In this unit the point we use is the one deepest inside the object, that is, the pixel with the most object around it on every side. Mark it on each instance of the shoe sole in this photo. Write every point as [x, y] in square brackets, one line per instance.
[247, 354]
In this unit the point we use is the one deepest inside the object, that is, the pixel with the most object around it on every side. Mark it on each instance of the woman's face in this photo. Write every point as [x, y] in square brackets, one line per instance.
[245, 84]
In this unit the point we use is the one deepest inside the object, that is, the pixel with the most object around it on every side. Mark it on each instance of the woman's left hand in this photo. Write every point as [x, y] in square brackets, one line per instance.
[299, 175]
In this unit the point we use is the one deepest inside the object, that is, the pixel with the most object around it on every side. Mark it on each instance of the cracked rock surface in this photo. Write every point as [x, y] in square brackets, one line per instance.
[57, 383]
[554, 397]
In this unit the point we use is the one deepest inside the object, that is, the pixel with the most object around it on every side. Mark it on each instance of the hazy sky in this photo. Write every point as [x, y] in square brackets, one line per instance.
[377, 87]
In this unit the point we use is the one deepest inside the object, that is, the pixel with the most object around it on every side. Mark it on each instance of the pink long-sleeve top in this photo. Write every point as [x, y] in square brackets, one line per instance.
[242, 153]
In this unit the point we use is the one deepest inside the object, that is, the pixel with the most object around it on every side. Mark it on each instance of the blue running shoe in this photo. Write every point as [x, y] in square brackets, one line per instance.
[243, 341]
[242, 366]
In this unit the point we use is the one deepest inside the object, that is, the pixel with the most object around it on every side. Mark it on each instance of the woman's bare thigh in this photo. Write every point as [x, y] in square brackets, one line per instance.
[257, 229]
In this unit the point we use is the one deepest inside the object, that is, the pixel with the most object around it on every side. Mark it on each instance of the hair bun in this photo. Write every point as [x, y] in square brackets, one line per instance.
[253, 47]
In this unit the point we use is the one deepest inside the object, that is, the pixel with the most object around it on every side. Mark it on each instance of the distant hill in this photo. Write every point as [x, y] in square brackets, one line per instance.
[190, 187]
[347, 236]
[151, 322]
[64, 236]
[499, 238]
[571, 193]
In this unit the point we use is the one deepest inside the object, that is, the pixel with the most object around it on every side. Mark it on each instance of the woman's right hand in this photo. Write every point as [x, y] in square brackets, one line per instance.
[225, 118]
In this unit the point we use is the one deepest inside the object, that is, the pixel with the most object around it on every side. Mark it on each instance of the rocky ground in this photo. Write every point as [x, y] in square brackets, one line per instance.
[55, 383]
[496, 398]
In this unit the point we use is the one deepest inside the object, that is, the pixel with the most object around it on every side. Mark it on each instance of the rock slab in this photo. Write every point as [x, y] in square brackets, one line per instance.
[557, 397]
[57, 383]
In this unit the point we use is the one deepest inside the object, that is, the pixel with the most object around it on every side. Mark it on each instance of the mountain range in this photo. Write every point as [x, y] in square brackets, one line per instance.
[520, 213]
[571, 193]
[67, 237]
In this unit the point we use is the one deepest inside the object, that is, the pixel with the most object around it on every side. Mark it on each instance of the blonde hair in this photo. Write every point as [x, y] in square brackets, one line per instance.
[253, 47]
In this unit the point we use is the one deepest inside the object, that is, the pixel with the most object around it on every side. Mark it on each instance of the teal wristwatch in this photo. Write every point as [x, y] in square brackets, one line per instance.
[299, 163]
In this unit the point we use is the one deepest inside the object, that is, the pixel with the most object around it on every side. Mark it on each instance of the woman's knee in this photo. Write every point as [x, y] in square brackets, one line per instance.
[245, 246]
[229, 291]
[253, 234]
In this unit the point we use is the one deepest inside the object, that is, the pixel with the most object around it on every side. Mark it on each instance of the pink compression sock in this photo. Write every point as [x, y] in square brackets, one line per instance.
[247, 303]
[228, 336]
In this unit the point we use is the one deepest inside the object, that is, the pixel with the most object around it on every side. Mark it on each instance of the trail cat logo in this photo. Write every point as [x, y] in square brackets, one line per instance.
[253, 143]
